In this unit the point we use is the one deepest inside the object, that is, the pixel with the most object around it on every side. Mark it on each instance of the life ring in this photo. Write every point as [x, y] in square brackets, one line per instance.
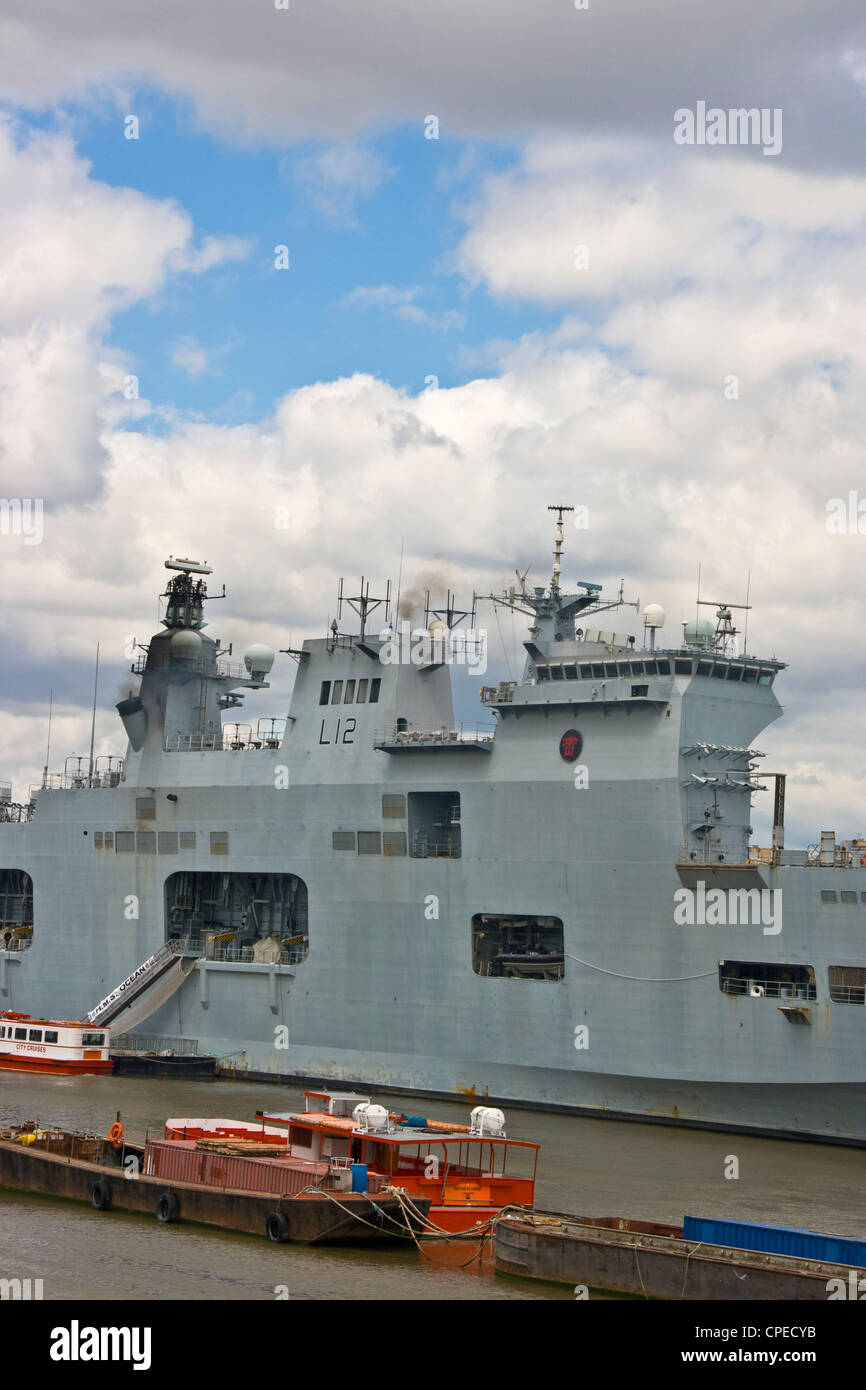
[862, 860]
[167, 1207]
[277, 1227]
[100, 1195]
[115, 1134]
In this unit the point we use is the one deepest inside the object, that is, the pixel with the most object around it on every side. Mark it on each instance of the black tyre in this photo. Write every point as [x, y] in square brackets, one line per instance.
[277, 1227]
[100, 1195]
[167, 1207]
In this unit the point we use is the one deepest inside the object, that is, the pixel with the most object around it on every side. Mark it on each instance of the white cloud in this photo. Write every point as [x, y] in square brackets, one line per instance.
[400, 300]
[74, 252]
[192, 358]
[338, 176]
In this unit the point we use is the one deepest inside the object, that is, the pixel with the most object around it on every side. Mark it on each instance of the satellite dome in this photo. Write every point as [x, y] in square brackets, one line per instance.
[186, 644]
[439, 630]
[654, 615]
[258, 660]
[700, 632]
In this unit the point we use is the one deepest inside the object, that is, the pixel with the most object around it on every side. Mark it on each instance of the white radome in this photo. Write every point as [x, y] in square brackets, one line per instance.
[654, 615]
[258, 660]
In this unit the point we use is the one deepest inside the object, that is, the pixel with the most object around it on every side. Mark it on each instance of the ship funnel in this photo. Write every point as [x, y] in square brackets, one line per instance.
[133, 717]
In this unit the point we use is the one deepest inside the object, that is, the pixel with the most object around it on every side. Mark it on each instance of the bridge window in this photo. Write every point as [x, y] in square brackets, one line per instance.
[518, 947]
[570, 673]
[664, 668]
[766, 677]
[543, 673]
[682, 667]
[704, 668]
[650, 668]
[720, 670]
[847, 984]
[325, 693]
[735, 673]
[556, 673]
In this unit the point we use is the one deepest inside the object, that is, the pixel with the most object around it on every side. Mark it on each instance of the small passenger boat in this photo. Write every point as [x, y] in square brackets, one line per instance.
[52, 1045]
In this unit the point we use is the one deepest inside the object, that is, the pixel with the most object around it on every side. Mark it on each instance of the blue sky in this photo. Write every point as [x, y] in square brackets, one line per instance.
[267, 331]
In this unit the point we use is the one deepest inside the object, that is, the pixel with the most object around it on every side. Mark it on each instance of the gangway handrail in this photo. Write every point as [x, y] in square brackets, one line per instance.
[105, 1010]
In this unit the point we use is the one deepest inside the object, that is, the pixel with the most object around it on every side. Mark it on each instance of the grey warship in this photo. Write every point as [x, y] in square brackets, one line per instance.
[561, 909]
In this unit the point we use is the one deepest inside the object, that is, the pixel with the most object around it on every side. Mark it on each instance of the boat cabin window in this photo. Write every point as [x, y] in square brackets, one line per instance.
[35, 1035]
[51, 1035]
[92, 1039]
[21, 1034]
[665, 668]
[325, 693]
[361, 698]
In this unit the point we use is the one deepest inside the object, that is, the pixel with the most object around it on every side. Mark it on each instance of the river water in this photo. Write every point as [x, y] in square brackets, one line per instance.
[587, 1166]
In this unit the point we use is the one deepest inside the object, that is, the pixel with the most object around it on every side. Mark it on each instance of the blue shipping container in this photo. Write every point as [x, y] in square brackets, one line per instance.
[776, 1240]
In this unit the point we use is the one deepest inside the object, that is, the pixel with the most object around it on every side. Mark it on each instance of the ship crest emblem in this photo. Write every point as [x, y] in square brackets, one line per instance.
[570, 745]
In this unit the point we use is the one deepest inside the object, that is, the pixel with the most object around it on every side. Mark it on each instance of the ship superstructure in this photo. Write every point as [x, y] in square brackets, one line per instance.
[559, 907]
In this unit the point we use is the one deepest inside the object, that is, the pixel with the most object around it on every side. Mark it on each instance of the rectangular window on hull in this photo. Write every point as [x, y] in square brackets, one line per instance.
[394, 843]
[145, 842]
[518, 947]
[97, 839]
[166, 841]
[35, 1035]
[124, 841]
[847, 984]
[50, 1035]
[145, 808]
[375, 687]
[325, 693]
[20, 1034]
[361, 698]
[337, 693]
[219, 842]
[394, 806]
[187, 839]
[369, 842]
[343, 839]
[434, 825]
[759, 978]
[639, 690]
[350, 693]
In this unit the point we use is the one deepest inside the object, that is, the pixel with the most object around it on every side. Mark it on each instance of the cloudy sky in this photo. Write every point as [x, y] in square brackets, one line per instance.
[404, 275]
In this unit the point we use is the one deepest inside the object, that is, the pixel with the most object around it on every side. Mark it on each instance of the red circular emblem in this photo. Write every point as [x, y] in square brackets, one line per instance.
[570, 745]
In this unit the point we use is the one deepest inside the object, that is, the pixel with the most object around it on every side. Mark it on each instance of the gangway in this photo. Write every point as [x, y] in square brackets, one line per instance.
[155, 968]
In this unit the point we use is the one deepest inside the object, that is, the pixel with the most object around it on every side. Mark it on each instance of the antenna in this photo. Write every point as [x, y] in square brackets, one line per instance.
[557, 551]
[93, 719]
[362, 604]
[746, 620]
[48, 746]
